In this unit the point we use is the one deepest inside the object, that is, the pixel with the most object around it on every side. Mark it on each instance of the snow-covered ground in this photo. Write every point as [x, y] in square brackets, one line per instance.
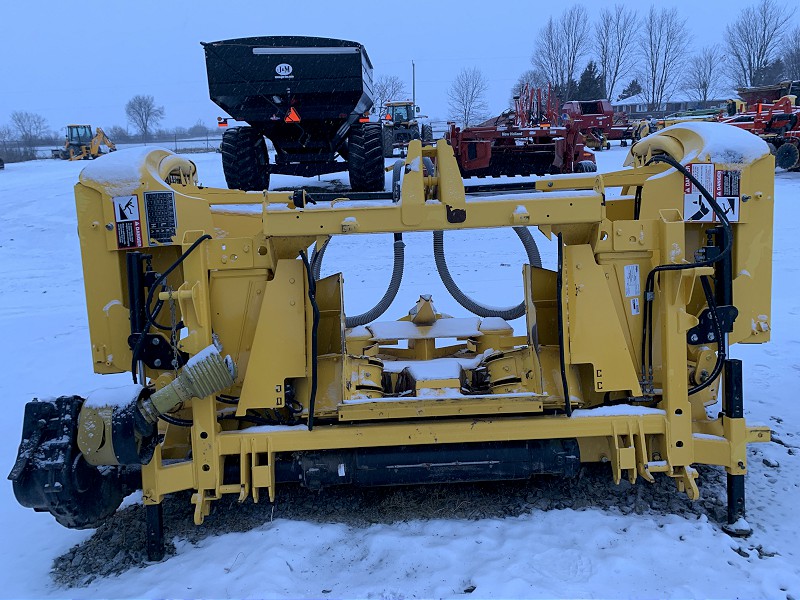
[556, 553]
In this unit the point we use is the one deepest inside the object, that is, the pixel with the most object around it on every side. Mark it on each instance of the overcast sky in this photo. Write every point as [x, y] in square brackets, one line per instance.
[80, 62]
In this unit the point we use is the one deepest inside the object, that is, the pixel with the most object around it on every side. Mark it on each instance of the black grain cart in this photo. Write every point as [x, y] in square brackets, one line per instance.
[308, 96]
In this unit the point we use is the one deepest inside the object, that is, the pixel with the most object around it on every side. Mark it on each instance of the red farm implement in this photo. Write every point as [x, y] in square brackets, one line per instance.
[778, 124]
[527, 141]
[594, 119]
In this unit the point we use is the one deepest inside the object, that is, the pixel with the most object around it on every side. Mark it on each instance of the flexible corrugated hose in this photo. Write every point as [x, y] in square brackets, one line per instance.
[391, 291]
[474, 307]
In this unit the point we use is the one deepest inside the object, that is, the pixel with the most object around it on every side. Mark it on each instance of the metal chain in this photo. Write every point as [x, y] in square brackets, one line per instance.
[173, 325]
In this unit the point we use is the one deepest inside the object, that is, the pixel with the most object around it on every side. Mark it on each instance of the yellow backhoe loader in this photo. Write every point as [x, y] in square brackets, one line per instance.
[249, 373]
[81, 144]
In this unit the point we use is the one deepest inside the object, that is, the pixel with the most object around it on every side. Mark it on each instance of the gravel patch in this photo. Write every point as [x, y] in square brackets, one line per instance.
[119, 544]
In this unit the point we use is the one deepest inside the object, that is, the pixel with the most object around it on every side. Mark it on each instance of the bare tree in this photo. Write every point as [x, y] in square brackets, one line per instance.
[199, 129]
[752, 41]
[791, 54]
[29, 126]
[663, 44]
[704, 74]
[562, 44]
[466, 97]
[117, 133]
[387, 88]
[614, 56]
[6, 133]
[143, 114]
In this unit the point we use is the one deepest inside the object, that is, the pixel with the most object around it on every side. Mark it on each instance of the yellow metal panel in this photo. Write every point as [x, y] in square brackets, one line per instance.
[445, 407]
[555, 209]
[593, 324]
[282, 318]
[387, 433]
[240, 293]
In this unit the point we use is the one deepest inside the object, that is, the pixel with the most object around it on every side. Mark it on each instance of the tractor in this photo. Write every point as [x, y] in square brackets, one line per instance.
[81, 144]
[401, 125]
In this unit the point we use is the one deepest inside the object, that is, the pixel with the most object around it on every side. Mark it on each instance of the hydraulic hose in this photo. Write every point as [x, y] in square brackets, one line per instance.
[474, 307]
[721, 352]
[649, 293]
[316, 258]
[391, 292]
[312, 298]
[159, 282]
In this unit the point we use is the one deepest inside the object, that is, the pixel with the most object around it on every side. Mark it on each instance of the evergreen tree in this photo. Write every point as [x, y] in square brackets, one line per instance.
[632, 89]
[590, 85]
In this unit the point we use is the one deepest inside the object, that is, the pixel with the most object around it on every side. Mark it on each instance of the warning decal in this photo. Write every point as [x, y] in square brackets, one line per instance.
[128, 223]
[632, 283]
[723, 184]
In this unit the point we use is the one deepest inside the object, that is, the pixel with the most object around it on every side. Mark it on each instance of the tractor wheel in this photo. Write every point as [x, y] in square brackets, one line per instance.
[365, 147]
[388, 142]
[623, 143]
[585, 166]
[245, 161]
[608, 145]
[787, 156]
[427, 134]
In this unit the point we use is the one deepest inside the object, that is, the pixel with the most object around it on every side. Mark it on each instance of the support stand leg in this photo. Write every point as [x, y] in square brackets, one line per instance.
[154, 516]
[733, 408]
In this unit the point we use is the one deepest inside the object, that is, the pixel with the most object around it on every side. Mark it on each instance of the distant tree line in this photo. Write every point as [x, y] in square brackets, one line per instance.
[622, 53]
[27, 131]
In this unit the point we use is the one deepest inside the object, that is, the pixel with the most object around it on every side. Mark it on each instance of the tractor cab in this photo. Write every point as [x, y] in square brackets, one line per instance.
[79, 135]
[399, 112]
[400, 126]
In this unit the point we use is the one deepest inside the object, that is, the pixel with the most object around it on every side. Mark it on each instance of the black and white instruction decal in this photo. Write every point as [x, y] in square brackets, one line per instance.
[722, 183]
[128, 222]
[632, 285]
[161, 219]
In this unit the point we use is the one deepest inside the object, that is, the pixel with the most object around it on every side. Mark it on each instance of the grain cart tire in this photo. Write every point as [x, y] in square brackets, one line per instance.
[585, 166]
[427, 134]
[365, 147]
[245, 161]
[787, 156]
[387, 136]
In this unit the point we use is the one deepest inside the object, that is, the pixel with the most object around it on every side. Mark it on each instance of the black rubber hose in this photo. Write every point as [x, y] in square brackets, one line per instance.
[316, 258]
[561, 341]
[391, 291]
[176, 421]
[474, 307]
[312, 298]
[721, 354]
[159, 282]
[649, 294]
